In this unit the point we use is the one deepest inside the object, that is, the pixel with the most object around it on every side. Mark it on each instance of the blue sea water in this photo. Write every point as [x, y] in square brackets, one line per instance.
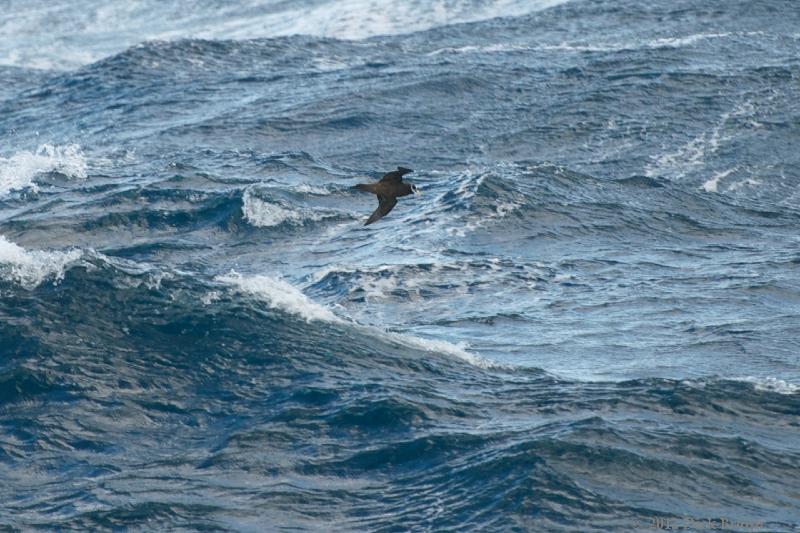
[588, 321]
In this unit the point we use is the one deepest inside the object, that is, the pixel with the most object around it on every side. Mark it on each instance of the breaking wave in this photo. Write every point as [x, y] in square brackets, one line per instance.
[18, 171]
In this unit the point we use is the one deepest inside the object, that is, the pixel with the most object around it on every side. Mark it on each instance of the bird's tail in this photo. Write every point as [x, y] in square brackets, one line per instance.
[366, 187]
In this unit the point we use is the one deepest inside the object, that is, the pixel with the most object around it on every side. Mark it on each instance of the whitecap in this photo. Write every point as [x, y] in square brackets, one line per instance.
[18, 171]
[687, 40]
[30, 268]
[379, 288]
[111, 27]
[310, 189]
[487, 49]
[712, 184]
[655, 44]
[210, 297]
[459, 350]
[361, 19]
[263, 213]
[771, 384]
[749, 182]
[280, 295]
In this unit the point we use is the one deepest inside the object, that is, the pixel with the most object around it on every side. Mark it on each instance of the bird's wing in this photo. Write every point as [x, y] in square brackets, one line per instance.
[385, 204]
[395, 176]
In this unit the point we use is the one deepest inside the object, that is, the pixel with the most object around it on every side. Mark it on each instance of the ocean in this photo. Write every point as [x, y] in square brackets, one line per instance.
[589, 320]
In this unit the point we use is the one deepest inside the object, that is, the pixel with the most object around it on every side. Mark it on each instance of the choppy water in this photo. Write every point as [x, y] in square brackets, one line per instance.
[589, 321]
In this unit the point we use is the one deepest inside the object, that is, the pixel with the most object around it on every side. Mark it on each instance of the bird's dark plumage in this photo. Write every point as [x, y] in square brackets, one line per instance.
[395, 176]
[385, 204]
[389, 188]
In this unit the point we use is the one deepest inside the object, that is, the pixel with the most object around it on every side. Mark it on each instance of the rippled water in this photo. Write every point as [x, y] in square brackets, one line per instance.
[588, 321]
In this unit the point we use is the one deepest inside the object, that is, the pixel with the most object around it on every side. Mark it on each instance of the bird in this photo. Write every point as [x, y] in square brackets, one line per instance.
[390, 187]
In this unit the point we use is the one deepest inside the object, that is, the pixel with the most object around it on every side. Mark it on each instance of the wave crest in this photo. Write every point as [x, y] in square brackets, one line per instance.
[18, 171]
[30, 268]
[279, 295]
[283, 296]
[263, 213]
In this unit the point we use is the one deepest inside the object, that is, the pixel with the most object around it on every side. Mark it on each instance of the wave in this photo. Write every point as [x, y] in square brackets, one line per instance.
[712, 184]
[692, 157]
[264, 213]
[482, 49]
[285, 297]
[18, 171]
[771, 384]
[279, 295]
[110, 28]
[31, 268]
[442, 279]
[429, 432]
[654, 44]
[458, 203]
[557, 202]
[460, 350]
[186, 208]
[261, 213]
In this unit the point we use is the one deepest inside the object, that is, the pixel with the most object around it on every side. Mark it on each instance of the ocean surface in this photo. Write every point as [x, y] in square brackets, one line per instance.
[588, 321]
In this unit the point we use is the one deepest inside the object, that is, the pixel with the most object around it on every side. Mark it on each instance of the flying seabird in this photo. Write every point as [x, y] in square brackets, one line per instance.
[389, 188]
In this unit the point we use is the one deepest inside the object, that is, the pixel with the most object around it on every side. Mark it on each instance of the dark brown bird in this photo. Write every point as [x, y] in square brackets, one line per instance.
[389, 188]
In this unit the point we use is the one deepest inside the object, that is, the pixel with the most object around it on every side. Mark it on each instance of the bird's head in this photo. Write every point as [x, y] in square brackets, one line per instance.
[415, 189]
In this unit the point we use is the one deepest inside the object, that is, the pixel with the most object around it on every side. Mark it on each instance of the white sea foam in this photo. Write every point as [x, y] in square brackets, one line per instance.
[712, 184]
[662, 42]
[687, 40]
[459, 350]
[749, 182]
[154, 279]
[686, 158]
[310, 189]
[504, 208]
[376, 282]
[360, 19]
[30, 268]
[263, 213]
[467, 191]
[772, 384]
[77, 37]
[486, 49]
[280, 295]
[18, 171]
[606, 46]
[210, 297]
[378, 288]
[578, 47]
[692, 155]
[99, 29]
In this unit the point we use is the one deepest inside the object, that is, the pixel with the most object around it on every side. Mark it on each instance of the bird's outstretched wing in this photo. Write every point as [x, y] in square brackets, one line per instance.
[396, 176]
[385, 204]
